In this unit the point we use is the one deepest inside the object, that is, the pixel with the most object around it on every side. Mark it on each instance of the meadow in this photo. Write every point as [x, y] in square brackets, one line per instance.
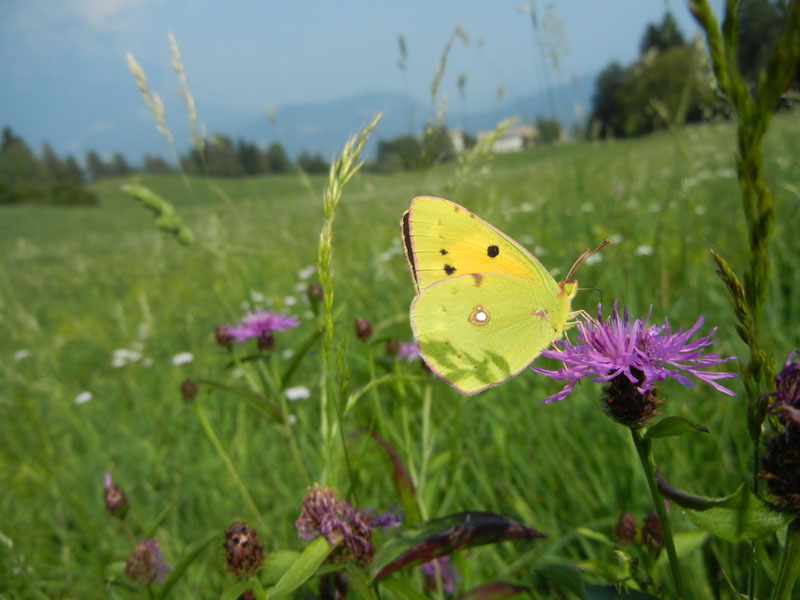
[79, 284]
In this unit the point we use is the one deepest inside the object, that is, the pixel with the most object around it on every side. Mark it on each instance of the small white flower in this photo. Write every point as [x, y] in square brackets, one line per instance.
[594, 258]
[83, 397]
[299, 392]
[540, 251]
[616, 238]
[287, 354]
[300, 287]
[292, 419]
[257, 297]
[147, 362]
[21, 354]
[643, 250]
[699, 209]
[123, 356]
[289, 301]
[306, 272]
[526, 207]
[182, 358]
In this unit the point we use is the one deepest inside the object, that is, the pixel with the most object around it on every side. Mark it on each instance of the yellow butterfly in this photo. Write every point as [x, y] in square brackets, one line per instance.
[485, 306]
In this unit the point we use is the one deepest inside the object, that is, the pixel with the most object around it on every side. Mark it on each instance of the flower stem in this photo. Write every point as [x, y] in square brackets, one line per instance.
[790, 563]
[645, 452]
[229, 465]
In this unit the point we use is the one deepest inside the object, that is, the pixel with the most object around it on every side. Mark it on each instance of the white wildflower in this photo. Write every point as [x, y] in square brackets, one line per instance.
[182, 358]
[643, 250]
[83, 397]
[21, 354]
[299, 392]
[306, 272]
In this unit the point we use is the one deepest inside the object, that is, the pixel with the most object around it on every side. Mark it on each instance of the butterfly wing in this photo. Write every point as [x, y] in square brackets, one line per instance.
[476, 331]
[443, 239]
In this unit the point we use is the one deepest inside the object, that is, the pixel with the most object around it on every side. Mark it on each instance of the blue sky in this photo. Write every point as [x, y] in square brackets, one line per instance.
[62, 61]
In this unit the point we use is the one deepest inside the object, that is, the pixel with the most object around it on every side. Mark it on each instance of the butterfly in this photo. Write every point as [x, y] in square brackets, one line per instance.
[485, 307]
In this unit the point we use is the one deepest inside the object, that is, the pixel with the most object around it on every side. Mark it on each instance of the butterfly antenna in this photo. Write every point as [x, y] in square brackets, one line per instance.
[582, 259]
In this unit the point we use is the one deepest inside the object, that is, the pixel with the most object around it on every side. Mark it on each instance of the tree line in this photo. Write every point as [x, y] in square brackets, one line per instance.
[46, 178]
[672, 82]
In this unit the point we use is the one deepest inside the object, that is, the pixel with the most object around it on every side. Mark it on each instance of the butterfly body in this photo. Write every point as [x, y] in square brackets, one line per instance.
[485, 307]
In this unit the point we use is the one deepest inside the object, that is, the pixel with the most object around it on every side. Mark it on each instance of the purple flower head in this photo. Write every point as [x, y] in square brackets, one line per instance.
[260, 324]
[634, 351]
[787, 392]
[440, 568]
[408, 352]
[343, 525]
[146, 562]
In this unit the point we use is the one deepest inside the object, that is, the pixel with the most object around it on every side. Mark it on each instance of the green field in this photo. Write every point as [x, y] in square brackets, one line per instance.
[78, 284]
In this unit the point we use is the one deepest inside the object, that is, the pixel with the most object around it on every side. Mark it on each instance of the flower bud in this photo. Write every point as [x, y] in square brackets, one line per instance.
[243, 554]
[363, 329]
[652, 536]
[221, 335]
[188, 389]
[625, 529]
[115, 499]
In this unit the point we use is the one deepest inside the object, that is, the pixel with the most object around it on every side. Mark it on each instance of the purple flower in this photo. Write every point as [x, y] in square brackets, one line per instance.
[440, 568]
[408, 352]
[632, 349]
[787, 391]
[260, 323]
[343, 525]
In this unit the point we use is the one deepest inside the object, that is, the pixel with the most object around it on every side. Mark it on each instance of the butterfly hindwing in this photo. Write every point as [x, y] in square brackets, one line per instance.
[443, 239]
[478, 330]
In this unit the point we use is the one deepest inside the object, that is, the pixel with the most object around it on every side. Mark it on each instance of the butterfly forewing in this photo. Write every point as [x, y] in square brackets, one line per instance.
[478, 330]
[443, 239]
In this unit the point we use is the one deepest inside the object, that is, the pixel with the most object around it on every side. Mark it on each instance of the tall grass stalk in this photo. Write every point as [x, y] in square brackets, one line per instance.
[346, 165]
[753, 110]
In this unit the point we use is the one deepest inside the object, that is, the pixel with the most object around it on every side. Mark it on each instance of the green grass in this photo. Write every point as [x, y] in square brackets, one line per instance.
[76, 284]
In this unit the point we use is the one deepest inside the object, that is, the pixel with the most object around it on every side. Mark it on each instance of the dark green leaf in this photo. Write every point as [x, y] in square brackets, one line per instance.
[445, 535]
[739, 516]
[672, 427]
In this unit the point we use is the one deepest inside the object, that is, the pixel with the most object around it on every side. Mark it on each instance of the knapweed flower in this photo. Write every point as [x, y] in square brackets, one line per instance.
[780, 466]
[345, 526]
[115, 499]
[243, 554]
[146, 562]
[632, 356]
[787, 393]
[439, 568]
[260, 324]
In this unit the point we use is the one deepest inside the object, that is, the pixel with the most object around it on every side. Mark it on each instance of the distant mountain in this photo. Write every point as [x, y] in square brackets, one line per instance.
[120, 123]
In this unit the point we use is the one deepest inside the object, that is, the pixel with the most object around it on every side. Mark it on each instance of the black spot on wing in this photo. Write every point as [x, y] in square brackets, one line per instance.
[449, 269]
[492, 251]
[443, 252]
